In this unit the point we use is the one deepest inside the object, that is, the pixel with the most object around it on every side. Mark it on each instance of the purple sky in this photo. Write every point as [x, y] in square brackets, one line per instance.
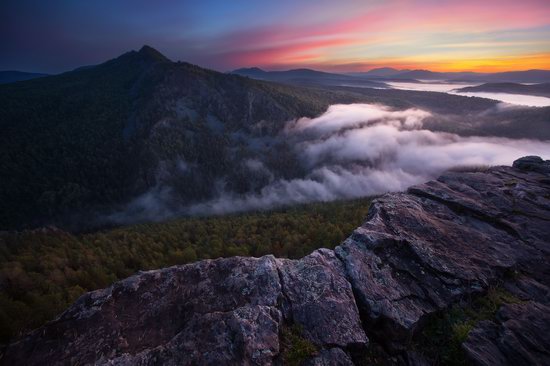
[345, 35]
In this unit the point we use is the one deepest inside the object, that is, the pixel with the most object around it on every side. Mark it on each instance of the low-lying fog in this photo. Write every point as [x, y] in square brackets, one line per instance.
[442, 87]
[519, 99]
[450, 88]
[362, 149]
[349, 151]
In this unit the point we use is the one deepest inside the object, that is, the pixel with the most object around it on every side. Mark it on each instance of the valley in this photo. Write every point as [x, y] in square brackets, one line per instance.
[141, 138]
[275, 183]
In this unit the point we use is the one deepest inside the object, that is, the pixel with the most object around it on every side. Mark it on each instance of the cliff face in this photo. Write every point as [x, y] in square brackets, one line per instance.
[416, 254]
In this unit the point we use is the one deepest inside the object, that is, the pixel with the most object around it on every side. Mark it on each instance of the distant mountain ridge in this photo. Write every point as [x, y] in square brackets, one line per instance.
[11, 76]
[306, 76]
[542, 90]
[379, 72]
[528, 76]
[387, 73]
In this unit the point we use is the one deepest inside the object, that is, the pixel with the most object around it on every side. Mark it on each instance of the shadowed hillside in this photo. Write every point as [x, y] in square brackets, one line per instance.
[92, 138]
[103, 145]
[542, 90]
[13, 76]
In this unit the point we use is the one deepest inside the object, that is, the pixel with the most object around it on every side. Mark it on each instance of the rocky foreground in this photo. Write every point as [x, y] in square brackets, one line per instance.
[417, 254]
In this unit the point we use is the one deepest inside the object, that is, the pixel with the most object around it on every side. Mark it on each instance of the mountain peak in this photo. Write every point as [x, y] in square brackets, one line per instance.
[306, 71]
[384, 69]
[145, 56]
[151, 53]
[244, 70]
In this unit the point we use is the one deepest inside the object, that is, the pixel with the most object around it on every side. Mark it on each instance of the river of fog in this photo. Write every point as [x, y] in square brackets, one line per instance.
[349, 151]
[364, 149]
[450, 88]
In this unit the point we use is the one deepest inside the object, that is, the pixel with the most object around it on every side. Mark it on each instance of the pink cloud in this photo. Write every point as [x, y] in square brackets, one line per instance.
[347, 39]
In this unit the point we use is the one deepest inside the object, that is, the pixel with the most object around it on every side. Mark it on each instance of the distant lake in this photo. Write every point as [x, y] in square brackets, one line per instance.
[450, 88]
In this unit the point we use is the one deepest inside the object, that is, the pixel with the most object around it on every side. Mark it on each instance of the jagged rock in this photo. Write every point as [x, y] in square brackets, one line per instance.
[224, 310]
[534, 163]
[318, 297]
[416, 254]
[521, 337]
[526, 288]
[207, 312]
[413, 358]
[420, 251]
[247, 335]
[331, 357]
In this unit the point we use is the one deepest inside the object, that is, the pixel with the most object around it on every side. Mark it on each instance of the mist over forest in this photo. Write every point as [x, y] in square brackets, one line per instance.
[156, 139]
[349, 151]
[275, 183]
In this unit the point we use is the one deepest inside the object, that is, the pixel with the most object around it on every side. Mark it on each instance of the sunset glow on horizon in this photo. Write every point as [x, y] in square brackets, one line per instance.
[343, 36]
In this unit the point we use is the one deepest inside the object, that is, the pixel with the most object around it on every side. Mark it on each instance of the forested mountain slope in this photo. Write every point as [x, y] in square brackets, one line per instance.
[142, 138]
[95, 137]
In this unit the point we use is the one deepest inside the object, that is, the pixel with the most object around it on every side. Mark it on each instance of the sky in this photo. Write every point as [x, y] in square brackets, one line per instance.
[340, 36]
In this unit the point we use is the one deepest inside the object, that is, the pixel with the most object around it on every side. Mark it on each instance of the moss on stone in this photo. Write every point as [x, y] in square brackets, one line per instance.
[441, 339]
[295, 348]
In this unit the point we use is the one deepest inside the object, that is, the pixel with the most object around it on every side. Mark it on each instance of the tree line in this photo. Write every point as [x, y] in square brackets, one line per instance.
[43, 271]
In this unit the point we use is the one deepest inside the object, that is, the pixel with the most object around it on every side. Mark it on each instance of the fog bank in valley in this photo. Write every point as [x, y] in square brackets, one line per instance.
[360, 149]
[351, 151]
[451, 88]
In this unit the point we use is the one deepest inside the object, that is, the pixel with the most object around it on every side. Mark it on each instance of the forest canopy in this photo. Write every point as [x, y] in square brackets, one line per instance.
[43, 271]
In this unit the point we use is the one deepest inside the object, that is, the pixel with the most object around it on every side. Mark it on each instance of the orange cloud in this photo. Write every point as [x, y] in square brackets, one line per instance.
[441, 35]
[505, 63]
[509, 63]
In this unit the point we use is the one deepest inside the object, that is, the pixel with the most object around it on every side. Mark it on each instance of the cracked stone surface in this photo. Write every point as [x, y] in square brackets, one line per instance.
[318, 297]
[416, 254]
[520, 336]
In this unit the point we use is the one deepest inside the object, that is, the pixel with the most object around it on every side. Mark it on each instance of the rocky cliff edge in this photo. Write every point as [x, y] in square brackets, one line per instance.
[417, 254]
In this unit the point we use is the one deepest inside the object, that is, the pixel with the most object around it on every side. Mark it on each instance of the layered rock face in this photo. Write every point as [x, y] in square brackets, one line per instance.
[416, 254]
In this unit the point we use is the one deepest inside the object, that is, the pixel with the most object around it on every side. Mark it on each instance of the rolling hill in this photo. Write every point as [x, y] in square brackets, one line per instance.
[378, 72]
[12, 76]
[542, 90]
[375, 78]
[307, 76]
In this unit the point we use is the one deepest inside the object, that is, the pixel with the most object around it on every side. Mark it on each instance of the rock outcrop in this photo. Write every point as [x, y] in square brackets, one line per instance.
[416, 254]
[520, 337]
